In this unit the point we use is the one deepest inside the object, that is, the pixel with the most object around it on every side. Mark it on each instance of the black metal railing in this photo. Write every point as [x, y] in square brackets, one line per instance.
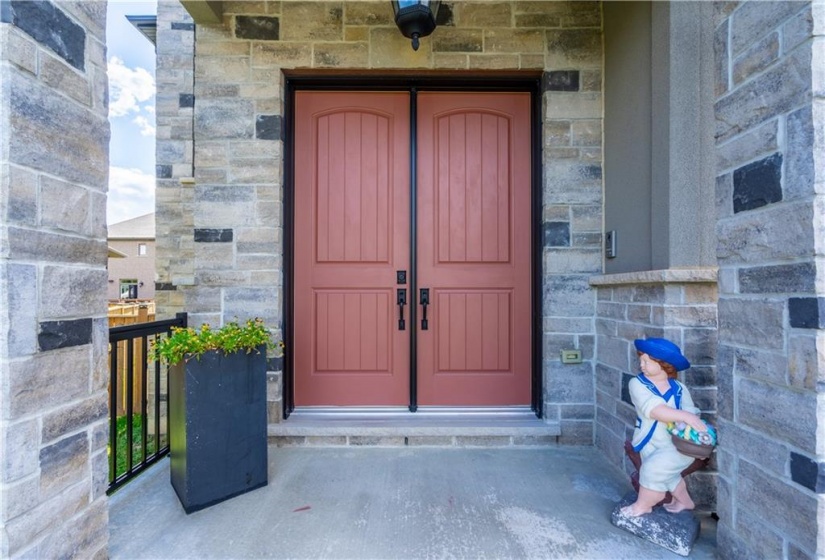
[138, 399]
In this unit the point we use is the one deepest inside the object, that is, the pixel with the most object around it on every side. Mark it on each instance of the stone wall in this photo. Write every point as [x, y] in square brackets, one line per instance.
[54, 139]
[224, 258]
[677, 304]
[770, 177]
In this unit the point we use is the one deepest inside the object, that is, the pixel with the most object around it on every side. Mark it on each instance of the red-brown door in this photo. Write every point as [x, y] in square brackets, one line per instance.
[351, 236]
[474, 248]
[352, 233]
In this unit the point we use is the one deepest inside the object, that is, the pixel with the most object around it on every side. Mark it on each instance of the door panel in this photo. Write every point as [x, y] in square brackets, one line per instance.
[351, 235]
[474, 248]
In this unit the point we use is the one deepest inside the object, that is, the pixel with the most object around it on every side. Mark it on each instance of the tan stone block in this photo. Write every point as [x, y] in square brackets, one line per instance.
[368, 13]
[18, 48]
[701, 293]
[458, 40]
[557, 133]
[57, 74]
[211, 154]
[538, 20]
[574, 48]
[356, 33]
[312, 21]
[586, 132]
[224, 48]
[285, 55]
[582, 19]
[591, 80]
[259, 91]
[513, 40]
[390, 49]
[340, 55]
[218, 69]
[486, 14]
[563, 105]
[450, 61]
[265, 149]
[554, 7]
[244, 171]
[268, 106]
[493, 61]
[531, 61]
[561, 153]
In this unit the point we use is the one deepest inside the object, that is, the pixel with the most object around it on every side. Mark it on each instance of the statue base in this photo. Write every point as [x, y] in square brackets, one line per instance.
[676, 532]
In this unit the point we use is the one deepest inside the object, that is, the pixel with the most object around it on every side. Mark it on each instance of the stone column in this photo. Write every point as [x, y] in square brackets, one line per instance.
[54, 142]
[174, 195]
[769, 145]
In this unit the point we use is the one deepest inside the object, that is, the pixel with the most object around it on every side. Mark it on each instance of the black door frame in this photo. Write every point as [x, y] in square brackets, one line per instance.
[470, 82]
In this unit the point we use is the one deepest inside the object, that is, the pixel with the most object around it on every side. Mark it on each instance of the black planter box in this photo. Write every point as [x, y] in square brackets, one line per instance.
[217, 424]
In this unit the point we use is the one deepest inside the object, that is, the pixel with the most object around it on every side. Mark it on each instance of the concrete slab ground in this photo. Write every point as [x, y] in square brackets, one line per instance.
[396, 502]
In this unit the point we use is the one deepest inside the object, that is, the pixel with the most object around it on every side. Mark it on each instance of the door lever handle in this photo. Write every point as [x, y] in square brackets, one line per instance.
[401, 301]
[424, 300]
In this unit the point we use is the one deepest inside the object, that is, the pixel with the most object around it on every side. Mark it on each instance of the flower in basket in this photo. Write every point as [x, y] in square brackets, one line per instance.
[187, 343]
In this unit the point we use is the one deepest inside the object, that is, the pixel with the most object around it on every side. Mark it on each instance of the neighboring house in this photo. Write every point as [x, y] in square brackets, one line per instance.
[133, 275]
[688, 133]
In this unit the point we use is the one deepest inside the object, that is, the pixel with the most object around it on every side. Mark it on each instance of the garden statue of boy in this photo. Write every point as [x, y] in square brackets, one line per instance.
[659, 398]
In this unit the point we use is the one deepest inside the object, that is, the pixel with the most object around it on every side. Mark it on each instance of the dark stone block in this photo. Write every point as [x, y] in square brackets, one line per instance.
[556, 234]
[757, 184]
[807, 313]
[165, 287]
[263, 28]
[275, 364]
[163, 171]
[183, 26]
[49, 26]
[626, 377]
[63, 334]
[444, 15]
[213, 235]
[808, 473]
[676, 532]
[561, 80]
[268, 127]
[798, 277]
[592, 172]
[186, 100]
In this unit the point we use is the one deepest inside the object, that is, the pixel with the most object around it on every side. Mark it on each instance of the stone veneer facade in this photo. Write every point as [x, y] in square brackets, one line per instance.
[219, 202]
[770, 138]
[54, 145]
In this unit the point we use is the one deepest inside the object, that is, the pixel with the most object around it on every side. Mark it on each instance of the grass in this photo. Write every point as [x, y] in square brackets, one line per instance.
[137, 443]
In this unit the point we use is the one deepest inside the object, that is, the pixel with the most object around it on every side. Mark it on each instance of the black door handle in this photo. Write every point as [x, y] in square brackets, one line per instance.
[424, 300]
[401, 301]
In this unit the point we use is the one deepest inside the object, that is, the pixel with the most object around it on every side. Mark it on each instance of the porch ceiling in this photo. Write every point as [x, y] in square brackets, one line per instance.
[204, 11]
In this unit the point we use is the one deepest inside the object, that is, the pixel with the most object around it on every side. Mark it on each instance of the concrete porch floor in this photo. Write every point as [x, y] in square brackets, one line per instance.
[396, 502]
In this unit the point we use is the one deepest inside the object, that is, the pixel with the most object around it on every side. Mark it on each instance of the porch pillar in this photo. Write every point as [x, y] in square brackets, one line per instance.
[771, 357]
[54, 156]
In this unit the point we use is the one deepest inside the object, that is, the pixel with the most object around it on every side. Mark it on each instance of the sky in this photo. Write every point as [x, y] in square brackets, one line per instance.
[131, 62]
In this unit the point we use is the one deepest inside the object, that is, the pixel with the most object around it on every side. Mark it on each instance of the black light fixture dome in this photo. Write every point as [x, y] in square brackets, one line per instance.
[415, 18]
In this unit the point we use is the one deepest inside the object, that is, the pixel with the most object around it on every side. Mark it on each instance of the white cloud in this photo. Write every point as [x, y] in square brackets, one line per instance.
[128, 87]
[131, 194]
[149, 109]
[147, 128]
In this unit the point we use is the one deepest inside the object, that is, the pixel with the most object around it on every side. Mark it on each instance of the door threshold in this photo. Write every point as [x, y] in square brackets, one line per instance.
[434, 426]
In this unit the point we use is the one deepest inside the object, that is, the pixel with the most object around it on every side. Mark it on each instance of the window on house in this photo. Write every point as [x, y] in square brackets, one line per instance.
[141, 249]
[128, 288]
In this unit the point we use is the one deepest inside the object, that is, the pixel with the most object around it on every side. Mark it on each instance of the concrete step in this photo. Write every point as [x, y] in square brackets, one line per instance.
[436, 427]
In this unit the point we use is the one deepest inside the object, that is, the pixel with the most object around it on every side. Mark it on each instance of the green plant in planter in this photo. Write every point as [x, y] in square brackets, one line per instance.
[187, 343]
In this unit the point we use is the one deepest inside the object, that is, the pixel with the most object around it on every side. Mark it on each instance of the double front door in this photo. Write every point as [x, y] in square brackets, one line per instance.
[361, 233]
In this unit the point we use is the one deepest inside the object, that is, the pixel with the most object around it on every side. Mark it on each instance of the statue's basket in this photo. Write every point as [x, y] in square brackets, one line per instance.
[691, 449]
